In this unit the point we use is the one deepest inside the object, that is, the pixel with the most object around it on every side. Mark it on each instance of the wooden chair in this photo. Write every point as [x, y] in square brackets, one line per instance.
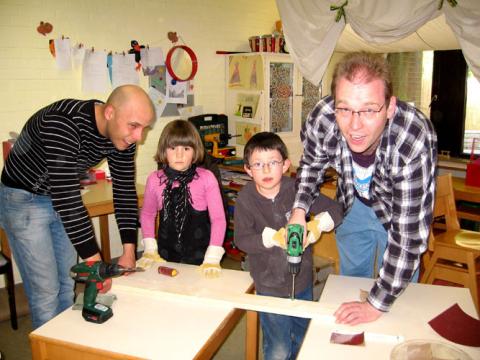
[6, 268]
[448, 260]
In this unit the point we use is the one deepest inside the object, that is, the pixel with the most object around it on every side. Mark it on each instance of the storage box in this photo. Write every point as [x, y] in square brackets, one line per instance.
[473, 168]
[473, 173]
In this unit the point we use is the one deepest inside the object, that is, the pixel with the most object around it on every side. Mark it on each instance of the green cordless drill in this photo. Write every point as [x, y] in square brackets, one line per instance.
[94, 273]
[294, 251]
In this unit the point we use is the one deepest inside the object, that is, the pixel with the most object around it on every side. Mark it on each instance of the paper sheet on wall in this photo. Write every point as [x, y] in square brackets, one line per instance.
[78, 54]
[246, 105]
[151, 58]
[123, 70]
[245, 72]
[176, 90]
[95, 72]
[158, 100]
[189, 111]
[63, 54]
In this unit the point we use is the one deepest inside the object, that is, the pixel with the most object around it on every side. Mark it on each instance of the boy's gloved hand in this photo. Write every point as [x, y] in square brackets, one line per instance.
[211, 262]
[273, 237]
[150, 254]
[321, 222]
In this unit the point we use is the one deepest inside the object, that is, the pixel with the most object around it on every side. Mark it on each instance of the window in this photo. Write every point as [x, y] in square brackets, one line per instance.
[472, 115]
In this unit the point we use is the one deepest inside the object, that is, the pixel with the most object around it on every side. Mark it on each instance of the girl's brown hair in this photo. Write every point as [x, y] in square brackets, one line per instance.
[179, 133]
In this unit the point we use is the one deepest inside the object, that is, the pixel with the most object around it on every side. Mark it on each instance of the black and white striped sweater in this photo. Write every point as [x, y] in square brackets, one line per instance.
[57, 145]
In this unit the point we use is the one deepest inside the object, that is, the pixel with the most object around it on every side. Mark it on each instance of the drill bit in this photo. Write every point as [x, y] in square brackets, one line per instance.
[135, 269]
[293, 287]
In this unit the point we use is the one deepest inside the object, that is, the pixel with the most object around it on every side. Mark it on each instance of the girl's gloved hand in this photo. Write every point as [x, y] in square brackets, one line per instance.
[150, 254]
[211, 262]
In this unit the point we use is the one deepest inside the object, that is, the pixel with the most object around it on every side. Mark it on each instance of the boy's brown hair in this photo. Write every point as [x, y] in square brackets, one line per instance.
[264, 141]
[179, 133]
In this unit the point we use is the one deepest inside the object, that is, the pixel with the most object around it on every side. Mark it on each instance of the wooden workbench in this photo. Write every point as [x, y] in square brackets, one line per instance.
[408, 319]
[152, 320]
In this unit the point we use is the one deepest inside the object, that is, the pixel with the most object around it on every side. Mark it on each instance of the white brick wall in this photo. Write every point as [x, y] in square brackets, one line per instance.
[29, 79]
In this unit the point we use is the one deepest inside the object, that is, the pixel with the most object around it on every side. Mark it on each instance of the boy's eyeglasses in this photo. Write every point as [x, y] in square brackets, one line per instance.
[369, 114]
[271, 165]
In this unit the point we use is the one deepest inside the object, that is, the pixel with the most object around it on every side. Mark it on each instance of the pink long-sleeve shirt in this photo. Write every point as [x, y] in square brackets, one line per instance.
[205, 195]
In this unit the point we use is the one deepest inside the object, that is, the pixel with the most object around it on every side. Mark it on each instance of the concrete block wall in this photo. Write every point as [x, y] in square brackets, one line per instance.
[30, 80]
[407, 76]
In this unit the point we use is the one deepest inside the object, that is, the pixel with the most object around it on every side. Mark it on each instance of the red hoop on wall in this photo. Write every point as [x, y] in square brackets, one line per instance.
[193, 58]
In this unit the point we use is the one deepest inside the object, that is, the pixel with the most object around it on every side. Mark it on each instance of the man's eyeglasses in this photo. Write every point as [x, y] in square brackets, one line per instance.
[271, 165]
[368, 114]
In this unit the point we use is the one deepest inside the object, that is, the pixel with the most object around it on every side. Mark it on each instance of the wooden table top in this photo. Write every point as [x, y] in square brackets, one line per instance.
[98, 197]
[465, 192]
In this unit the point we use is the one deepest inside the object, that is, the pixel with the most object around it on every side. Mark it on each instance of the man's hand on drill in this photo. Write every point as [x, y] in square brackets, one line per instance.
[107, 284]
[128, 257]
[298, 217]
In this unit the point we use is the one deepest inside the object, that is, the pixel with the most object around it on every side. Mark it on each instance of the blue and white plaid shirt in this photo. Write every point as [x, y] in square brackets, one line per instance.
[402, 187]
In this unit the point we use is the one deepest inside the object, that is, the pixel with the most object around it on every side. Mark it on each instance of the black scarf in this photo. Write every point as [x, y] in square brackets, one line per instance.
[175, 204]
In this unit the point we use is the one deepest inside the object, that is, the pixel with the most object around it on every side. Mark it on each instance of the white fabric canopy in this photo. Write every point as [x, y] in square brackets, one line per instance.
[311, 31]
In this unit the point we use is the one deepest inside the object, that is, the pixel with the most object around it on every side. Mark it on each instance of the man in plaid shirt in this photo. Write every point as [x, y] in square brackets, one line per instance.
[384, 152]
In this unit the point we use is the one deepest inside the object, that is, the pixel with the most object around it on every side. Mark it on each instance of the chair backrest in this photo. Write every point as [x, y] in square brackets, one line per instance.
[445, 202]
[444, 205]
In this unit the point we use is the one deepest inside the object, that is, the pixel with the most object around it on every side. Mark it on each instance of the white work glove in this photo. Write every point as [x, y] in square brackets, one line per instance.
[211, 262]
[321, 222]
[150, 254]
[273, 237]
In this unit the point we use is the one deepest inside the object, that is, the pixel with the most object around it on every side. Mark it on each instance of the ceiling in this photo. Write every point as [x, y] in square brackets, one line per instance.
[434, 35]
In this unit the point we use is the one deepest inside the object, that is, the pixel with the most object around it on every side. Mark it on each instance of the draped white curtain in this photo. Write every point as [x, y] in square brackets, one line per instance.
[311, 31]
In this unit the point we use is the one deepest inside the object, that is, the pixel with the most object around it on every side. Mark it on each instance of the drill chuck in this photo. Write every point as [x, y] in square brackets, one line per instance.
[294, 263]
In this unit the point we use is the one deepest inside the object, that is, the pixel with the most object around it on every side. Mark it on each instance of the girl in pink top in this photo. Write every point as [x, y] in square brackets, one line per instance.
[188, 202]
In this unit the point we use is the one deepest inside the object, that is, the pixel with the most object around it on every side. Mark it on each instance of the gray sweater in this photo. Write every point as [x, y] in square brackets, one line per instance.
[268, 267]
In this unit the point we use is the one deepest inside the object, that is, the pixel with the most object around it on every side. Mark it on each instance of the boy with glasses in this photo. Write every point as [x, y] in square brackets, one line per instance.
[263, 207]
[384, 151]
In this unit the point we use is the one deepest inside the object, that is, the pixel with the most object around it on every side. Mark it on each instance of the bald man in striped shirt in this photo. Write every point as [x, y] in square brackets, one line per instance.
[41, 207]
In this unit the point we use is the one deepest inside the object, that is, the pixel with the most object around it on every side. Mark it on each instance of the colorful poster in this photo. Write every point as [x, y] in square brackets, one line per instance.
[157, 78]
[255, 69]
[246, 105]
[245, 72]
[246, 131]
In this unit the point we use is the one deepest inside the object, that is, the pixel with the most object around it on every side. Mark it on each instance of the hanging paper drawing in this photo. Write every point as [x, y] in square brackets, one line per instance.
[246, 131]
[256, 72]
[157, 78]
[235, 75]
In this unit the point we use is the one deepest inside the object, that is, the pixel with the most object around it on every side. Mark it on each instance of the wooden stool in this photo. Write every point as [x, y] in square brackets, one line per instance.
[7, 269]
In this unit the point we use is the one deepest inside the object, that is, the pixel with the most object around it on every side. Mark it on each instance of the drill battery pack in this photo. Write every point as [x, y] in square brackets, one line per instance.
[98, 314]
